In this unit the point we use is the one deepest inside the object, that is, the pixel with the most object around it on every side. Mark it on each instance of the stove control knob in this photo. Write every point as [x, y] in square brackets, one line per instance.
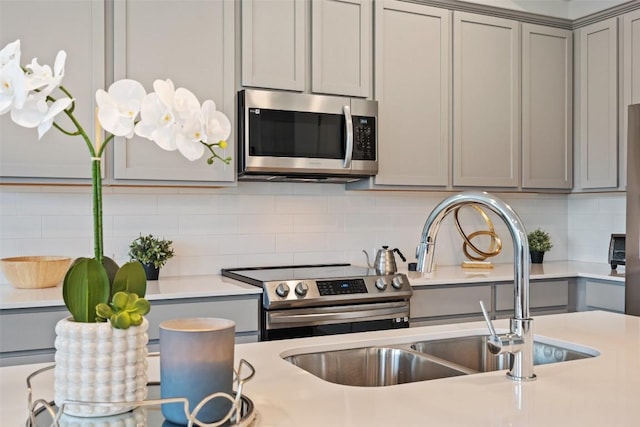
[381, 283]
[282, 290]
[397, 282]
[302, 289]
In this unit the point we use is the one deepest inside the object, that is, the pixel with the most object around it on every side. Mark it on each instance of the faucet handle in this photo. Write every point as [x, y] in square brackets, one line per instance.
[487, 319]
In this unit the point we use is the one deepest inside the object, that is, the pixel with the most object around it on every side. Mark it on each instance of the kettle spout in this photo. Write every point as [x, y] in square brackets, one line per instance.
[368, 263]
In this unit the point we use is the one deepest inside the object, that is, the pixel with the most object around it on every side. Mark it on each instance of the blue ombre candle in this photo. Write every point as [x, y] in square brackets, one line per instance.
[196, 360]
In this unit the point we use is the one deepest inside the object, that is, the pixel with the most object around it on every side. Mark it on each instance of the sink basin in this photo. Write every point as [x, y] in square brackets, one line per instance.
[472, 352]
[421, 361]
[372, 366]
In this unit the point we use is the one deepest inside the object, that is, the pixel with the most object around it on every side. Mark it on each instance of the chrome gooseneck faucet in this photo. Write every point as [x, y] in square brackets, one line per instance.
[518, 342]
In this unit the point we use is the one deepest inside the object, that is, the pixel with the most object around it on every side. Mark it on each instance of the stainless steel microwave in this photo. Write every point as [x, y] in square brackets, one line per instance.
[284, 136]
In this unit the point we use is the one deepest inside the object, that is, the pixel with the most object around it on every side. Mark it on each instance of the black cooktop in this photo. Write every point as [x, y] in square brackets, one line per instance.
[258, 275]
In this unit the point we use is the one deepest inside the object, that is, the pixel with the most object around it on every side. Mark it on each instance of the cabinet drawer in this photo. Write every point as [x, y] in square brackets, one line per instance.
[608, 296]
[542, 294]
[454, 300]
[244, 312]
[29, 329]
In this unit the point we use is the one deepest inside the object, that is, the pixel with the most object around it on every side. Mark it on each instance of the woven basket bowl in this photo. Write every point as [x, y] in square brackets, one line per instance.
[34, 272]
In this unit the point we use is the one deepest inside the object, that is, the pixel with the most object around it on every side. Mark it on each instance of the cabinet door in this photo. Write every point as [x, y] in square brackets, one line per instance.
[630, 81]
[449, 300]
[341, 47]
[191, 43]
[412, 86]
[273, 43]
[598, 141]
[486, 99]
[547, 155]
[604, 295]
[543, 295]
[38, 25]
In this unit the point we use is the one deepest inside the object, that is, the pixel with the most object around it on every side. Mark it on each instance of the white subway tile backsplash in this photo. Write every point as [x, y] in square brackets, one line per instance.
[67, 226]
[184, 204]
[285, 223]
[258, 223]
[207, 224]
[301, 204]
[301, 242]
[21, 227]
[318, 223]
[247, 244]
[8, 203]
[54, 204]
[134, 225]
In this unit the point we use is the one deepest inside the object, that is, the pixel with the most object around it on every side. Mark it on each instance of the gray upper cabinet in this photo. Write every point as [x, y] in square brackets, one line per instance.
[486, 101]
[273, 44]
[41, 29]
[597, 73]
[191, 43]
[341, 47]
[322, 46]
[547, 99]
[413, 89]
[630, 63]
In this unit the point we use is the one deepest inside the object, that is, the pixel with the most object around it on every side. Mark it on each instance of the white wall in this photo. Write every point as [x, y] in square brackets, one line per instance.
[254, 224]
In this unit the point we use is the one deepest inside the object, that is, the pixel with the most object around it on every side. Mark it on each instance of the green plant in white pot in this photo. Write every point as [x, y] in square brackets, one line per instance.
[539, 243]
[34, 97]
[152, 253]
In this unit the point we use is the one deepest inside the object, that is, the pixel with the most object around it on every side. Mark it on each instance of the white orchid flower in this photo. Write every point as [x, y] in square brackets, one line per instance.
[12, 86]
[42, 77]
[172, 119]
[10, 52]
[12, 80]
[216, 125]
[56, 108]
[119, 107]
[189, 136]
[156, 122]
[39, 82]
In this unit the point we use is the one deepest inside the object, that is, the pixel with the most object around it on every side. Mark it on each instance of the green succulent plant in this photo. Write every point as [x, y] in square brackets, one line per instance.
[151, 250]
[88, 284]
[125, 310]
[539, 241]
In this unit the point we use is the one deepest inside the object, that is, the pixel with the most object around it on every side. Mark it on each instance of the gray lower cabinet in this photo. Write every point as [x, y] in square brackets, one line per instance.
[28, 334]
[545, 297]
[600, 295]
[440, 304]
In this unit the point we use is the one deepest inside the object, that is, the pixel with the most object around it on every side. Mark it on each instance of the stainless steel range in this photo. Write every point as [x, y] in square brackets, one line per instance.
[312, 300]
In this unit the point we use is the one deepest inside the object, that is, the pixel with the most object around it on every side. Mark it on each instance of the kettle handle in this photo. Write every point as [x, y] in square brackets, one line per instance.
[396, 250]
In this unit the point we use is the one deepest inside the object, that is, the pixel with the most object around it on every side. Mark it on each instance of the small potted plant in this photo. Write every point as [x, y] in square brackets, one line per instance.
[539, 243]
[152, 253]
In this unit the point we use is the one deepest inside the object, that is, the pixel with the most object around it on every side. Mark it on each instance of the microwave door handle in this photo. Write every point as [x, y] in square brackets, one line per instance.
[349, 132]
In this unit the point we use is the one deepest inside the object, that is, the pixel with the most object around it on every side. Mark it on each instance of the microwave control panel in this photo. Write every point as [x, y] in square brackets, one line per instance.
[364, 138]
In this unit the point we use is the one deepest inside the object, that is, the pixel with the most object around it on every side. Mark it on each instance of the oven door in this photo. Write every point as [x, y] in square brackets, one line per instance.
[317, 321]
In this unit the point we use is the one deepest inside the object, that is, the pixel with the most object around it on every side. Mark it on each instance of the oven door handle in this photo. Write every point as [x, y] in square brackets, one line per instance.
[295, 319]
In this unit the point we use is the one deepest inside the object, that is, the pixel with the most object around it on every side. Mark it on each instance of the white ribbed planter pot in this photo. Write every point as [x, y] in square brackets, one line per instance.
[98, 363]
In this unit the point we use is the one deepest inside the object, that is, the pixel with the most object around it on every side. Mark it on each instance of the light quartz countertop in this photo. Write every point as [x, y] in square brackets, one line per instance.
[215, 285]
[597, 391]
[442, 275]
[163, 289]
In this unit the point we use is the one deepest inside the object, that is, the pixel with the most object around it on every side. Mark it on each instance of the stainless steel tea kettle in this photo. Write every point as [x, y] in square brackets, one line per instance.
[385, 262]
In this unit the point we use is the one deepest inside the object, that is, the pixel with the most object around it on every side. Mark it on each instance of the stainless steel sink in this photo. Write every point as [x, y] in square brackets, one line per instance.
[421, 361]
[472, 352]
[372, 366]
